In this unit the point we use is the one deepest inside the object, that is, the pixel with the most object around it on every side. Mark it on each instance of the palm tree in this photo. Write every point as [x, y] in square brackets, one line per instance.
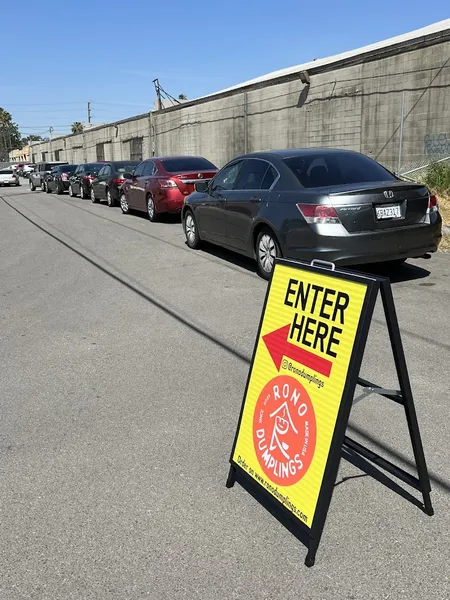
[77, 127]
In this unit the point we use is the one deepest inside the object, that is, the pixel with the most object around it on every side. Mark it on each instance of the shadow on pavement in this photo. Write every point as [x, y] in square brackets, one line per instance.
[396, 273]
[232, 257]
[369, 469]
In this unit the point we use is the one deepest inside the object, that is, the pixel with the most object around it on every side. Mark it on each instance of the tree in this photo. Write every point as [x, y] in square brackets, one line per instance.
[31, 138]
[9, 135]
[77, 127]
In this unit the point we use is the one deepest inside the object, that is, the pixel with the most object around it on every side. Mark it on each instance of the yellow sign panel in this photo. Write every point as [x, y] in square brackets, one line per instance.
[296, 384]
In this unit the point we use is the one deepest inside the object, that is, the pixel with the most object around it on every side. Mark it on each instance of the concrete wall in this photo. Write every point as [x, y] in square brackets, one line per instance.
[356, 106]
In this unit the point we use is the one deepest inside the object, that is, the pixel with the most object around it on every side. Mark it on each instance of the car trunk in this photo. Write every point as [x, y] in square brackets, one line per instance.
[371, 207]
[186, 181]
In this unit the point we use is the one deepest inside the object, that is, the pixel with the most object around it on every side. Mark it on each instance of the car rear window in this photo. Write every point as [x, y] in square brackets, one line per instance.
[126, 167]
[187, 163]
[6, 172]
[328, 169]
[67, 168]
[94, 166]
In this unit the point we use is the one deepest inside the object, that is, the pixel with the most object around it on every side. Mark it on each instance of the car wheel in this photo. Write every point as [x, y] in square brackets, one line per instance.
[82, 192]
[151, 211]
[47, 189]
[93, 198]
[59, 190]
[71, 194]
[109, 198]
[124, 204]
[190, 230]
[267, 250]
[43, 186]
[32, 186]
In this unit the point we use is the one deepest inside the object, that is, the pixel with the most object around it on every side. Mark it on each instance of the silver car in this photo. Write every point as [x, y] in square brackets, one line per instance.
[9, 177]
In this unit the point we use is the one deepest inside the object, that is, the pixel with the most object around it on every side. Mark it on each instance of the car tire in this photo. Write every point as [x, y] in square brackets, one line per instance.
[124, 204]
[191, 230]
[267, 250]
[48, 190]
[109, 199]
[32, 186]
[42, 186]
[71, 193]
[151, 209]
[59, 190]
[94, 200]
[83, 192]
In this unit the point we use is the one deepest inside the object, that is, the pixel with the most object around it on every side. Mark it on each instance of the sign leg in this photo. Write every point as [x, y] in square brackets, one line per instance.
[311, 556]
[405, 387]
[231, 479]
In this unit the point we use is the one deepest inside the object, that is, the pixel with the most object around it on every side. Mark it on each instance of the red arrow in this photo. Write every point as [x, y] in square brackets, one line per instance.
[278, 346]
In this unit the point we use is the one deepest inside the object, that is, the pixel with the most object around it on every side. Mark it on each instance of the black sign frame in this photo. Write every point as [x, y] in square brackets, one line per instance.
[310, 537]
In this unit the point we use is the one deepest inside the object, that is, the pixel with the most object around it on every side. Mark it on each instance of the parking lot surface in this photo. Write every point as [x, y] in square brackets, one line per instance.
[124, 357]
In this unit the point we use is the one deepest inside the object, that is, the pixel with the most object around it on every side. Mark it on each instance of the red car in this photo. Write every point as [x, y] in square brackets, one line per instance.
[160, 184]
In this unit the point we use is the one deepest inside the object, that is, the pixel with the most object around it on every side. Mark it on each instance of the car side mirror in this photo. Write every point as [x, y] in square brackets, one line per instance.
[201, 186]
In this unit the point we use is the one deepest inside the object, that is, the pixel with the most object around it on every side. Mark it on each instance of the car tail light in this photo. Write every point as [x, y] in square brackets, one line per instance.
[64, 176]
[318, 213]
[167, 183]
[433, 205]
[14, 177]
[90, 177]
[118, 181]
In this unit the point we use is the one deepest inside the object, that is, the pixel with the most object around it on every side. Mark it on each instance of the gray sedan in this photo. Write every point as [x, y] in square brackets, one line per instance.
[334, 205]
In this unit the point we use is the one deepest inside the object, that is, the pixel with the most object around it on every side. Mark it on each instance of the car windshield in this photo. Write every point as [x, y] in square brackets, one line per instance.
[187, 163]
[126, 167]
[333, 168]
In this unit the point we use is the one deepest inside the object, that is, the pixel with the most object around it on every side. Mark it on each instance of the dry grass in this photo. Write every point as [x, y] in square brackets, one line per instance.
[444, 208]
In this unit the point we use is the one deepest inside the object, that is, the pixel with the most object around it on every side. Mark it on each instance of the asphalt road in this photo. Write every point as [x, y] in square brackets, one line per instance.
[124, 357]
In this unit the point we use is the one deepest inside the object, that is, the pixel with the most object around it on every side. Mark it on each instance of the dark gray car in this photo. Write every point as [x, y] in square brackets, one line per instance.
[38, 176]
[335, 205]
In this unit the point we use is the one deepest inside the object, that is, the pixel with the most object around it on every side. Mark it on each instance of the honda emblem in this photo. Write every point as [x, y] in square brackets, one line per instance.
[388, 194]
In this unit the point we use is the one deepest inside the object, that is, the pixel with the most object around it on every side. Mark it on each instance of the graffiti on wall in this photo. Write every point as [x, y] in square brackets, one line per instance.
[437, 144]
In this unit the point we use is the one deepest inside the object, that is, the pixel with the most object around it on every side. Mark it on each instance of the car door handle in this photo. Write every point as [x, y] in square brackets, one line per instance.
[255, 199]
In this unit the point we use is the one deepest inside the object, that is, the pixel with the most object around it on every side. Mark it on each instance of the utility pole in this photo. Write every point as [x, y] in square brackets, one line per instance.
[89, 112]
[50, 131]
[158, 93]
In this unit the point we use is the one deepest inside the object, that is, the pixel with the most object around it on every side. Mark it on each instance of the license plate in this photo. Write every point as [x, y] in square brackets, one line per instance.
[388, 211]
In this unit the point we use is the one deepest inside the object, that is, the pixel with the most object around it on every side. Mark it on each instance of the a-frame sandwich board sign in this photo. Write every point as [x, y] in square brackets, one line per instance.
[300, 389]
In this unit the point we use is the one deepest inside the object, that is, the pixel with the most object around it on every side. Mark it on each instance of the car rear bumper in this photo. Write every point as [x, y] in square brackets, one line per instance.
[172, 202]
[371, 247]
[10, 182]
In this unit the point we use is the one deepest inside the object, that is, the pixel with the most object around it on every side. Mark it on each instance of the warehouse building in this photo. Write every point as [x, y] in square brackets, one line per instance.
[389, 100]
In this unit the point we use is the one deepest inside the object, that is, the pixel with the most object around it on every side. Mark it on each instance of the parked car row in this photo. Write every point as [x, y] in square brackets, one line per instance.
[331, 204]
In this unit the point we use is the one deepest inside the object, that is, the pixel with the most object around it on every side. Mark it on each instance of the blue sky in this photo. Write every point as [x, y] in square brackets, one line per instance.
[59, 55]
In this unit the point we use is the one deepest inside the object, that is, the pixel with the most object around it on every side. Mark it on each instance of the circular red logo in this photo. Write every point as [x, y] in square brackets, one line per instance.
[284, 430]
